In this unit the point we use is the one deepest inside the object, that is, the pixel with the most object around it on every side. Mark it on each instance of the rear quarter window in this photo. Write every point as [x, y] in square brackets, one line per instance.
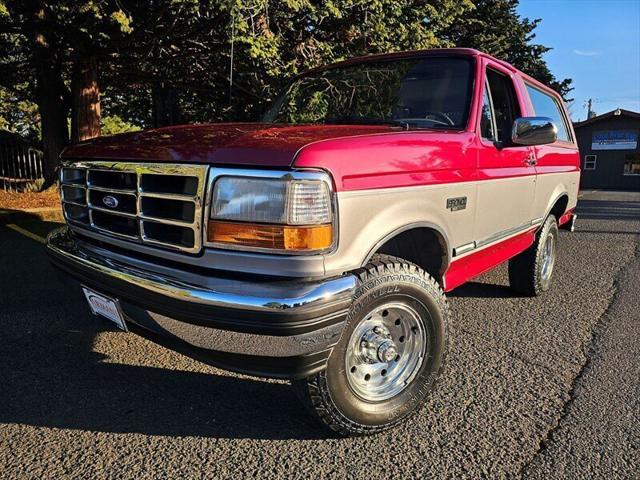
[544, 105]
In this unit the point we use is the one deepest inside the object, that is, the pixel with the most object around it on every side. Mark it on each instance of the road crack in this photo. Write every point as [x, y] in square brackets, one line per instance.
[589, 350]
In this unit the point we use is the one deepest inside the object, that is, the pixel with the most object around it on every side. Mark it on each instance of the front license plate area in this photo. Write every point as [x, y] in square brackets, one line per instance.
[105, 306]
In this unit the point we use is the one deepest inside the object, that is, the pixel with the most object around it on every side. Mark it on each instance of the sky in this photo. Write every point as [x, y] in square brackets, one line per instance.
[597, 44]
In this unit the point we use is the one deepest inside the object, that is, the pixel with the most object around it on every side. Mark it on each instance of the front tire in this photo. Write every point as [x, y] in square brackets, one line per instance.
[531, 272]
[390, 353]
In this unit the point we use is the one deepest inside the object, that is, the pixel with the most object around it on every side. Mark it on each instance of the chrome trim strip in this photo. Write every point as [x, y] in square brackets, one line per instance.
[119, 191]
[537, 221]
[462, 249]
[169, 221]
[503, 234]
[289, 295]
[168, 196]
[495, 238]
[107, 210]
[216, 173]
[69, 202]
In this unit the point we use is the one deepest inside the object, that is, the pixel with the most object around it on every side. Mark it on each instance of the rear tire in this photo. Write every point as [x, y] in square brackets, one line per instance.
[531, 272]
[391, 351]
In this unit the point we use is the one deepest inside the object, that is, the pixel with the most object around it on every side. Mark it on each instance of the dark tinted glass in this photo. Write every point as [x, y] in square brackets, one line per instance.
[505, 105]
[429, 92]
[486, 116]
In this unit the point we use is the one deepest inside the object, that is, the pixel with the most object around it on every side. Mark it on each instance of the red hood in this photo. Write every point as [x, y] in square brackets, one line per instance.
[225, 143]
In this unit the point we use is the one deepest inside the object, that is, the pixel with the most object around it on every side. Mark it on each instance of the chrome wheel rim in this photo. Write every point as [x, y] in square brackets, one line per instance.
[548, 256]
[385, 352]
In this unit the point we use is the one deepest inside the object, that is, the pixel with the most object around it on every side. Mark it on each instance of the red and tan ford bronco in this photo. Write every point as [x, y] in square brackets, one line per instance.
[318, 244]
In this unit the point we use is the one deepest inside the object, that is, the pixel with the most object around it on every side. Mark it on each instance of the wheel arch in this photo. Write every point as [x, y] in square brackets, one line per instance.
[434, 254]
[557, 207]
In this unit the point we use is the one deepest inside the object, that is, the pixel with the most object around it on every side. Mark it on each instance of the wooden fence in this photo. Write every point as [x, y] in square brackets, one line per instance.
[20, 164]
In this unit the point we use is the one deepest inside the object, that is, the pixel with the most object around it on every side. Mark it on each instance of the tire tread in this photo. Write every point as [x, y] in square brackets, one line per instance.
[313, 391]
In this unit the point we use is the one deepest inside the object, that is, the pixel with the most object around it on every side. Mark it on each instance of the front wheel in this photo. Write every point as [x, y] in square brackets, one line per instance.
[390, 353]
[530, 272]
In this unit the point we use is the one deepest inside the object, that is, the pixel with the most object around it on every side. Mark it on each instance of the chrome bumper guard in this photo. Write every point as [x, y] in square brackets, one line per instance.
[271, 328]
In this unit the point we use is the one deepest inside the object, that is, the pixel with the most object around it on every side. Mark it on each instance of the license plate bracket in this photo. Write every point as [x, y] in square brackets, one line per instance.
[105, 306]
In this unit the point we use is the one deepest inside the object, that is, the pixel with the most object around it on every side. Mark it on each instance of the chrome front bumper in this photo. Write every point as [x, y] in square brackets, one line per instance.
[275, 328]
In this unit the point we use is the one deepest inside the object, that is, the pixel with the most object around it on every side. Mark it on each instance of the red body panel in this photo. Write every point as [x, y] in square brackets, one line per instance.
[566, 217]
[248, 144]
[466, 268]
[394, 160]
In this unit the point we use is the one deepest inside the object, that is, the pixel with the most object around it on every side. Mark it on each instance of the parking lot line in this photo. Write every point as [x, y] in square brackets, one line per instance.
[26, 233]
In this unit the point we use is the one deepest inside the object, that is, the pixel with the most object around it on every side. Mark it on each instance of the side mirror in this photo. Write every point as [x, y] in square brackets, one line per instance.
[533, 131]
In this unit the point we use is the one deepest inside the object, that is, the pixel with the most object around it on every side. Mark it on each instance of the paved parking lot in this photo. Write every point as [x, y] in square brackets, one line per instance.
[539, 388]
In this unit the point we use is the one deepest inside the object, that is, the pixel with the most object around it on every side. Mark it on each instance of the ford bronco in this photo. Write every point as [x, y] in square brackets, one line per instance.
[318, 244]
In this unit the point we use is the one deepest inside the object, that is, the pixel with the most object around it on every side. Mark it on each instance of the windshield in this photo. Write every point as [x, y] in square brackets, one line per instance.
[433, 92]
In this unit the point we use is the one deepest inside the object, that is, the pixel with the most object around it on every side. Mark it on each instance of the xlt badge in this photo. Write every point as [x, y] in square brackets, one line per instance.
[457, 203]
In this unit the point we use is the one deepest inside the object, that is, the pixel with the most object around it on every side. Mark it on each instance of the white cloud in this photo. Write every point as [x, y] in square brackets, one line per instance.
[587, 53]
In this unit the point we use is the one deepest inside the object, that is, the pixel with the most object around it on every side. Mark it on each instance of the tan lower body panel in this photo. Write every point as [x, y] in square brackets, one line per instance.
[494, 209]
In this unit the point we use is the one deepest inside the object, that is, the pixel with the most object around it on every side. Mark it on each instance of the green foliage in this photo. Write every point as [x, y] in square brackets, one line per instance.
[275, 40]
[366, 92]
[494, 27]
[19, 115]
[112, 125]
[175, 55]
[123, 20]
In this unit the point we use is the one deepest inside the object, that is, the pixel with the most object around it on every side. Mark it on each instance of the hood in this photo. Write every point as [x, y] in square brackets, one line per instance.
[263, 144]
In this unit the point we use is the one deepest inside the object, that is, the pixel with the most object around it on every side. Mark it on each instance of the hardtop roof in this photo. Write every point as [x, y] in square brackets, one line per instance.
[468, 52]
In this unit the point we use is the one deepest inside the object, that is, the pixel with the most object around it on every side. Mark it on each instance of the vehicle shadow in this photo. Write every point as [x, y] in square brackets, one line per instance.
[483, 290]
[53, 376]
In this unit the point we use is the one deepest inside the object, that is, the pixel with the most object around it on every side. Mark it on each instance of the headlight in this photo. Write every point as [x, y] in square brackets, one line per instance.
[291, 215]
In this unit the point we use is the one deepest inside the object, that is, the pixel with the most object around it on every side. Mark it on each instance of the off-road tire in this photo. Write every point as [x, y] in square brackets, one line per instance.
[525, 269]
[328, 396]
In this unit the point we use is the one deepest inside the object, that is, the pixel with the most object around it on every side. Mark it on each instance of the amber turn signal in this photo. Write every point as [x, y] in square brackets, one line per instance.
[278, 237]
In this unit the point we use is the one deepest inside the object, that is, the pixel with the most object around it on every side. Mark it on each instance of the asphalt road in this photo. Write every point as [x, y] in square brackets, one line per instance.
[535, 388]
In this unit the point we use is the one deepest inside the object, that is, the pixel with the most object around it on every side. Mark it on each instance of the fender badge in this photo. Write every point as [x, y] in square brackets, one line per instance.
[457, 203]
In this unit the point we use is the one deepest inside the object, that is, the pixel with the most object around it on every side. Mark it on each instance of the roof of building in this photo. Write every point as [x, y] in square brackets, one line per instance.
[618, 112]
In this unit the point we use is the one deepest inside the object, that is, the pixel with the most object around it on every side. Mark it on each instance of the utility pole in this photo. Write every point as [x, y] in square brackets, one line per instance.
[590, 112]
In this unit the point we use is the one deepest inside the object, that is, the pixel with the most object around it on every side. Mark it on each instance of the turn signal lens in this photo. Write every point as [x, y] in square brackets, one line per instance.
[281, 237]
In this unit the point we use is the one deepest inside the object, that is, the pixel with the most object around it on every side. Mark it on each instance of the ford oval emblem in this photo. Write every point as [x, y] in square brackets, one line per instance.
[109, 201]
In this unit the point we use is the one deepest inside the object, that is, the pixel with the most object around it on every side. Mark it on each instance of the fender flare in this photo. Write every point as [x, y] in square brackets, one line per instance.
[406, 228]
[551, 205]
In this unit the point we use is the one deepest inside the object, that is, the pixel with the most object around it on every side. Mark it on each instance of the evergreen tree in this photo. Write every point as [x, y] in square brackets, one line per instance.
[146, 63]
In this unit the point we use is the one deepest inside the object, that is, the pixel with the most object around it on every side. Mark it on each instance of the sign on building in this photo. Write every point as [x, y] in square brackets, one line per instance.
[614, 140]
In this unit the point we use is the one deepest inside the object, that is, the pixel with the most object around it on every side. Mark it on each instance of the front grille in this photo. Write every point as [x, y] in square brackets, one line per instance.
[158, 204]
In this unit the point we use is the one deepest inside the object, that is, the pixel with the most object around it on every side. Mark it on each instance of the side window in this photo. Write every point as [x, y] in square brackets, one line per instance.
[486, 116]
[545, 105]
[632, 164]
[590, 162]
[505, 104]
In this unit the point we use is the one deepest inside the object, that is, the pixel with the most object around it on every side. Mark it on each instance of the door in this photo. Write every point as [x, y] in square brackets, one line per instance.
[506, 172]
[558, 164]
